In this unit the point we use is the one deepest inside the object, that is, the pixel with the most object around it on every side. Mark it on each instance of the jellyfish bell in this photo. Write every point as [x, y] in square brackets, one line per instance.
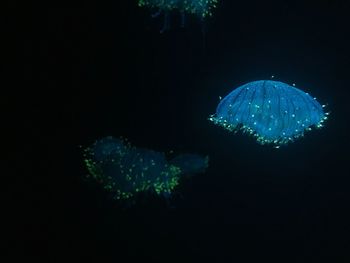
[272, 111]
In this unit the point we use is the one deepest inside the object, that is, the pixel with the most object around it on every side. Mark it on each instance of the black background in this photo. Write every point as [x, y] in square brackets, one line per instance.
[84, 70]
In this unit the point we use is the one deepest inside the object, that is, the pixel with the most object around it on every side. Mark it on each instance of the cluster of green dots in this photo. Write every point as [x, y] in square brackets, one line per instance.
[128, 171]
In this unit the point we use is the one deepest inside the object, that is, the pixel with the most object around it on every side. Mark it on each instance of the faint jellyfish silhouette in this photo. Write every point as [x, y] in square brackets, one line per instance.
[124, 170]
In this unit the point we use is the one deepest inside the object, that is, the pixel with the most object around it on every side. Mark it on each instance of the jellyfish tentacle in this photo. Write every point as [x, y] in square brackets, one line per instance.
[166, 22]
[156, 14]
[183, 18]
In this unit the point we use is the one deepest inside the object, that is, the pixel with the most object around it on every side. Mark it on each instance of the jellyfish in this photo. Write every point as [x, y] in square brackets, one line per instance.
[272, 111]
[199, 8]
[125, 171]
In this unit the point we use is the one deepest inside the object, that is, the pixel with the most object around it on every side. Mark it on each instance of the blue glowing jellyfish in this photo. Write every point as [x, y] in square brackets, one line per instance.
[199, 8]
[272, 111]
[125, 171]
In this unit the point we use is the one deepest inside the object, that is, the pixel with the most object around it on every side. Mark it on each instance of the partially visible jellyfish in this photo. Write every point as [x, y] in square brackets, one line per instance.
[274, 112]
[199, 8]
[125, 171]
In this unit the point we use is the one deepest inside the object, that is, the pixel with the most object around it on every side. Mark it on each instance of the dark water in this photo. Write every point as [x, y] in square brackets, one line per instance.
[92, 69]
